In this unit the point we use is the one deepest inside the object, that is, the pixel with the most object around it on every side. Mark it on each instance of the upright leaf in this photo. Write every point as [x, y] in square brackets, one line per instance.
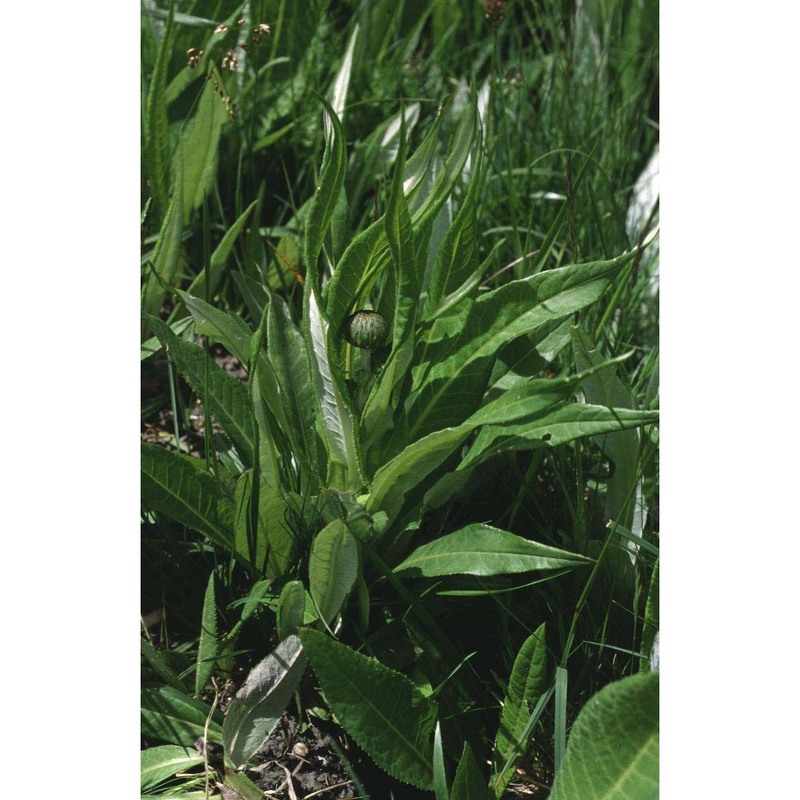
[332, 568]
[381, 709]
[198, 150]
[469, 783]
[207, 647]
[261, 701]
[326, 195]
[166, 255]
[525, 686]
[335, 414]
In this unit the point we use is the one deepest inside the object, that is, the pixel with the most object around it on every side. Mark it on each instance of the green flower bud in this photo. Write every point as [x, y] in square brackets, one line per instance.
[367, 329]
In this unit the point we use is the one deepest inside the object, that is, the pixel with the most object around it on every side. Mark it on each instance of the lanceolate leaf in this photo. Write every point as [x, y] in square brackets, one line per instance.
[411, 467]
[225, 397]
[260, 703]
[338, 426]
[526, 684]
[332, 568]
[165, 255]
[469, 783]
[182, 490]
[326, 196]
[160, 763]
[174, 717]
[224, 327]
[199, 147]
[381, 709]
[447, 393]
[288, 356]
[612, 750]
[480, 549]
[207, 648]
[561, 423]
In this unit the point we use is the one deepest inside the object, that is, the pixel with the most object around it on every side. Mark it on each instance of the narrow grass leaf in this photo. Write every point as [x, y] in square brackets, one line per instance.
[332, 568]
[526, 685]
[381, 709]
[181, 489]
[480, 549]
[624, 499]
[177, 718]
[207, 648]
[226, 399]
[613, 746]
[261, 701]
[166, 255]
[220, 256]
[560, 718]
[160, 763]
[651, 623]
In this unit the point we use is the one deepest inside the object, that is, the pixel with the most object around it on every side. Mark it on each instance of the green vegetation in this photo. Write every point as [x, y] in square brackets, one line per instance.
[424, 514]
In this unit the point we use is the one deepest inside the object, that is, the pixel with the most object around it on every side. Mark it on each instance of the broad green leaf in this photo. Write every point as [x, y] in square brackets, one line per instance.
[261, 701]
[332, 568]
[198, 150]
[272, 540]
[288, 356]
[160, 763]
[225, 327]
[153, 344]
[411, 467]
[381, 709]
[526, 685]
[612, 751]
[561, 423]
[326, 195]
[291, 608]
[207, 648]
[174, 717]
[225, 398]
[335, 414]
[480, 549]
[166, 255]
[220, 256]
[446, 388]
[469, 782]
[182, 490]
